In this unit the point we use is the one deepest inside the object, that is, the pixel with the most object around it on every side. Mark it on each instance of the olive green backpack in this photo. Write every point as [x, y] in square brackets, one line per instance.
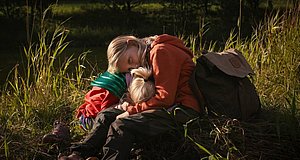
[222, 86]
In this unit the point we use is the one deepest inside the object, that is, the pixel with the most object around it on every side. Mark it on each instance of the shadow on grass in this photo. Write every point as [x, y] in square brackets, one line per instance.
[271, 135]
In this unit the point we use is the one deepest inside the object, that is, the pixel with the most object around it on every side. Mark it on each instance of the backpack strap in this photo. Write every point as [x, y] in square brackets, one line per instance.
[197, 92]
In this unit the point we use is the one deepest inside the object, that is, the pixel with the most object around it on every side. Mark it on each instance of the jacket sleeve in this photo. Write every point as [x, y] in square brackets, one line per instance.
[166, 71]
[95, 100]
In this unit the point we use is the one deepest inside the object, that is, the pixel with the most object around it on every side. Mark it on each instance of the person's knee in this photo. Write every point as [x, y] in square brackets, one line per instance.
[104, 118]
[117, 127]
[100, 118]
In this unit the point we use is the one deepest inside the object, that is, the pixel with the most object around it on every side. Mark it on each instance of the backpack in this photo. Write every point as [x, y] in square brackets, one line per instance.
[221, 83]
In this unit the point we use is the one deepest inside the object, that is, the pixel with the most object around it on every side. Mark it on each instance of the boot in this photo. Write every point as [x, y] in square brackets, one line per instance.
[60, 134]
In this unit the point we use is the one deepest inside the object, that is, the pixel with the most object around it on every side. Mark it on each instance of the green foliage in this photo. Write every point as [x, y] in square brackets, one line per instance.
[38, 92]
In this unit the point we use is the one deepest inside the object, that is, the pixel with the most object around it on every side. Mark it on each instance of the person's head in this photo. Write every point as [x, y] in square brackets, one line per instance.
[141, 89]
[125, 53]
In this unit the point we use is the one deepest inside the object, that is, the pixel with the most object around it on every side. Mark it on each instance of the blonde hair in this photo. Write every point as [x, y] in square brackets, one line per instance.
[141, 89]
[119, 45]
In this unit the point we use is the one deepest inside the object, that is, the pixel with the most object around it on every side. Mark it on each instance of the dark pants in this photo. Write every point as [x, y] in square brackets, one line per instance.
[116, 137]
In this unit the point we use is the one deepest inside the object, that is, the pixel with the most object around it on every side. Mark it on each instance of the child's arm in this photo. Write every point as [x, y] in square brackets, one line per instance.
[96, 100]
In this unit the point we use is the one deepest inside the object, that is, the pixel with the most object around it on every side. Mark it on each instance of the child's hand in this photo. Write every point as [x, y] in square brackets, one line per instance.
[123, 115]
[118, 106]
[122, 106]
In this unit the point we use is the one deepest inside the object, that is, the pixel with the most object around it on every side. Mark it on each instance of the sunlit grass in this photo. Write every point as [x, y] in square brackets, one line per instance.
[75, 8]
[45, 87]
[38, 91]
[273, 52]
[148, 7]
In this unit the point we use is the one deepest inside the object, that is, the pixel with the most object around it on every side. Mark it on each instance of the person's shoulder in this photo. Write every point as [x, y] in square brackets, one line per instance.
[158, 48]
[165, 37]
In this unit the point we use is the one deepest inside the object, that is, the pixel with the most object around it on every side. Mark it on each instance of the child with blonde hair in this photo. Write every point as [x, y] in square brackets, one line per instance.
[140, 89]
[107, 88]
[115, 131]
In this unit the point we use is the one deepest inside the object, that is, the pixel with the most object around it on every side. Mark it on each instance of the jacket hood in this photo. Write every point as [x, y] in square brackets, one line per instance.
[115, 83]
[172, 40]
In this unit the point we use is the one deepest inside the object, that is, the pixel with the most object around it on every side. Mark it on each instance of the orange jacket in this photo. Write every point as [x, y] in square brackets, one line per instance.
[172, 67]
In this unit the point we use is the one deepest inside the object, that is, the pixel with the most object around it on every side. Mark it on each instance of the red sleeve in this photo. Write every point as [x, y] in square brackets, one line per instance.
[166, 71]
[95, 101]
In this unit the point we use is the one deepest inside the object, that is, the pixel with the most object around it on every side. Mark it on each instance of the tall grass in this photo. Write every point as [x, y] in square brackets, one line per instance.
[41, 89]
[273, 51]
[44, 87]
